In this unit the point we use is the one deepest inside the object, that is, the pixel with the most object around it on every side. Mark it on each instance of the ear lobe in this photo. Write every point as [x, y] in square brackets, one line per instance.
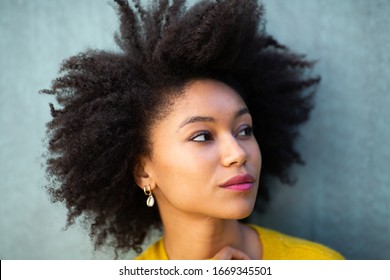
[140, 174]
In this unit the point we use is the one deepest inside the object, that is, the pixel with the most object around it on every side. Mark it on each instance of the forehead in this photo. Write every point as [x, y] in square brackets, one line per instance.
[207, 100]
[208, 95]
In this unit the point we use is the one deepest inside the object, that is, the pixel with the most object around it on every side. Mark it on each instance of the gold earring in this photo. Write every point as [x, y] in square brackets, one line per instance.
[148, 192]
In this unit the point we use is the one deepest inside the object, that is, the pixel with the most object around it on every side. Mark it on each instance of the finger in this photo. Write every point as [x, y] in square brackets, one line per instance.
[230, 253]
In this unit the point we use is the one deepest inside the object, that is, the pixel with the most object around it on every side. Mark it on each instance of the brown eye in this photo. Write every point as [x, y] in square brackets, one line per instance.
[202, 137]
[246, 131]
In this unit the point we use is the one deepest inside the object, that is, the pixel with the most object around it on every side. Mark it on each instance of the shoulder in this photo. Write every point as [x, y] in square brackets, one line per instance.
[277, 245]
[155, 252]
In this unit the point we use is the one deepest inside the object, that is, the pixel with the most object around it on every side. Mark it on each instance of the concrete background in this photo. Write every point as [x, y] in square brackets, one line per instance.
[342, 198]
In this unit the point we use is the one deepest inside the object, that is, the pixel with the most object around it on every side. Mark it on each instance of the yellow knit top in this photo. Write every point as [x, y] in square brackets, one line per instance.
[275, 246]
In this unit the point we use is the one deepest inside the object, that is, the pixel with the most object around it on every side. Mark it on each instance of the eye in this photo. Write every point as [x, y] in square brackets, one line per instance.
[246, 131]
[202, 136]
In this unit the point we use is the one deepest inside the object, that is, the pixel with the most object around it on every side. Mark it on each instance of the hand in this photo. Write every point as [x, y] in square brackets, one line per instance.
[230, 253]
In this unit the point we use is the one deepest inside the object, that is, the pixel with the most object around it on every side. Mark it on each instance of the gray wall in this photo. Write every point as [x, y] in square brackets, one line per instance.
[342, 197]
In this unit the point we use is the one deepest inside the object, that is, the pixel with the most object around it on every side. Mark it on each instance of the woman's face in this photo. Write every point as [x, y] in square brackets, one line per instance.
[205, 160]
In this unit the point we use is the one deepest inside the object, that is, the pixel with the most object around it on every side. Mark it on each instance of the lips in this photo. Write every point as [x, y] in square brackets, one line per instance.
[239, 183]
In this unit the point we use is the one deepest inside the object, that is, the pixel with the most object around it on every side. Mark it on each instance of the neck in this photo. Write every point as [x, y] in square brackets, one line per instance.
[189, 237]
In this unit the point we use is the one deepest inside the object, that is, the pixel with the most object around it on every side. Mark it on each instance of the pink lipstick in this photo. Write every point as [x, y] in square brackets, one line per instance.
[239, 183]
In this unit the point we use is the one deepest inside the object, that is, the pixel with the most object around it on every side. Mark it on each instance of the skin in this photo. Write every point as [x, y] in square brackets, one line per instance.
[204, 141]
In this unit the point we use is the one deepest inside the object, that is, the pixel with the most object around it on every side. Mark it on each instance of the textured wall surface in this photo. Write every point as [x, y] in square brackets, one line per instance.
[342, 197]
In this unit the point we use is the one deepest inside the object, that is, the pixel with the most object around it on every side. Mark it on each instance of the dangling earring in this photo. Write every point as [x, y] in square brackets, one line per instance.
[148, 192]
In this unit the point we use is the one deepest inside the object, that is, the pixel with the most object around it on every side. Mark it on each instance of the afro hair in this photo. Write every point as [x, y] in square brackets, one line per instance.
[101, 124]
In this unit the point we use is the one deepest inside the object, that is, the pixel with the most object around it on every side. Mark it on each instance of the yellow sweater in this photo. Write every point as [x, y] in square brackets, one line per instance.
[275, 245]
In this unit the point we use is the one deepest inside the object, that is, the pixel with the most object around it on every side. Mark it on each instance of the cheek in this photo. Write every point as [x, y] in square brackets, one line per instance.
[257, 155]
[254, 158]
[183, 166]
[184, 177]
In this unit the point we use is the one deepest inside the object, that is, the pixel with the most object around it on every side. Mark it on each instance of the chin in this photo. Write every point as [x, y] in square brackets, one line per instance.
[239, 212]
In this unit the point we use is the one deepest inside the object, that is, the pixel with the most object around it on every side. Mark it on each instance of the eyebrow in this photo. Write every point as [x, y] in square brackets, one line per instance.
[195, 119]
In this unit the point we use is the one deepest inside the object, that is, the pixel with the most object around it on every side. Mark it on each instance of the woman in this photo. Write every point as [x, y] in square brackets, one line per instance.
[163, 134]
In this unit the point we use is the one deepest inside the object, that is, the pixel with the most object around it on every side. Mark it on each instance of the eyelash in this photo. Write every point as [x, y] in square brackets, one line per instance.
[201, 133]
[247, 129]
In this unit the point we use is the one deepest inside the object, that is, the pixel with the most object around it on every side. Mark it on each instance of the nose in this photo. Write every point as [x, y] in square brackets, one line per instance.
[232, 153]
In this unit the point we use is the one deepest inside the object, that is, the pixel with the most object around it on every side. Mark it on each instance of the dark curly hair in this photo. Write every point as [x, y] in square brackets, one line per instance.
[108, 101]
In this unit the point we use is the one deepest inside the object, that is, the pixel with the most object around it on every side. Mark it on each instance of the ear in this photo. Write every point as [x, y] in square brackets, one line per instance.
[142, 172]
